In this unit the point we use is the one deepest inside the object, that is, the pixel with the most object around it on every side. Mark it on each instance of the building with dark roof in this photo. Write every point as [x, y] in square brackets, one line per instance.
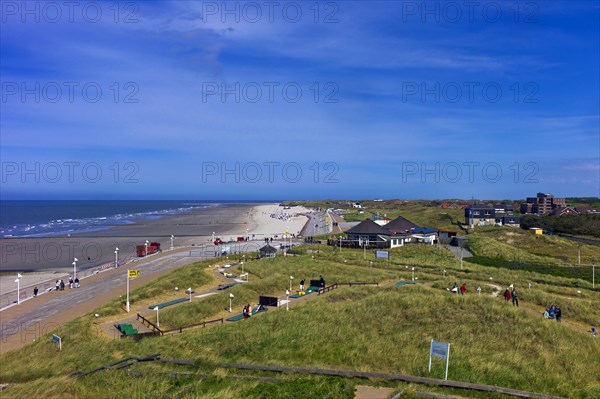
[400, 225]
[267, 251]
[370, 234]
[480, 216]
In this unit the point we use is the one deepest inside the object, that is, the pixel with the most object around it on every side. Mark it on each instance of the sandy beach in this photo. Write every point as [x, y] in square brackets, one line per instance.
[49, 258]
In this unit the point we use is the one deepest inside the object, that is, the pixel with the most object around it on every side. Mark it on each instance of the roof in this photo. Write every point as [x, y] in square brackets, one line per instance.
[400, 225]
[368, 226]
[423, 230]
[268, 248]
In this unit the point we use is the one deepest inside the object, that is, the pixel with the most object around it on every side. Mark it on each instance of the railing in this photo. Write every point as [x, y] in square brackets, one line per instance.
[203, 324]
[150, 324]
[359, 283]
[327, 289]
[26, 292]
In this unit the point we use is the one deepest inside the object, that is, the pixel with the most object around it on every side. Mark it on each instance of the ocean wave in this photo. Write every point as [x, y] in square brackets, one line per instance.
[65, 226]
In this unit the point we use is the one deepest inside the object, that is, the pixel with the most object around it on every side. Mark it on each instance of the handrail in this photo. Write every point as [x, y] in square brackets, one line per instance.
[327, 289]
[150, 324]
[359, 283]
[202, 323]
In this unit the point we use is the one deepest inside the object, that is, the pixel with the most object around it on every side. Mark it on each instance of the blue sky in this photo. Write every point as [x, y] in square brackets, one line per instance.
[298, 100]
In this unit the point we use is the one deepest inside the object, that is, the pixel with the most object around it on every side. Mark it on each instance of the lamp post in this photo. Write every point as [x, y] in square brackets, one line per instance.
[593, 274]
[413, 273]
[172, 237]
[116, 257]
[213, 240]
[146, 246]
[18, 281]
[291, 278]
[74, 268]
[230, 301]
[190, 291]
[127, 300]
[287, 300]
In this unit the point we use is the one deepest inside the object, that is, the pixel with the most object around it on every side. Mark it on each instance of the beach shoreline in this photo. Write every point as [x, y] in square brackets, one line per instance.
[44, 258]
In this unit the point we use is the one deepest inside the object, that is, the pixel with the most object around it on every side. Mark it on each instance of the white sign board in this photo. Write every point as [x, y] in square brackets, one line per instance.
[439, 349]
[382, 254]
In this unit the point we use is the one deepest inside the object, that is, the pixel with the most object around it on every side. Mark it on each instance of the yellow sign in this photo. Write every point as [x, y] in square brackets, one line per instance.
[133, 273]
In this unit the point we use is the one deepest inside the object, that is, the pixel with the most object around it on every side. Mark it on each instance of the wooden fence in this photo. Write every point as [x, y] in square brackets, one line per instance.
[203, 324]
[327, 289]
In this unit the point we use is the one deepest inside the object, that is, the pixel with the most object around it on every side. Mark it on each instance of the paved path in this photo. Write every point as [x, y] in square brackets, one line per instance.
[31, 319]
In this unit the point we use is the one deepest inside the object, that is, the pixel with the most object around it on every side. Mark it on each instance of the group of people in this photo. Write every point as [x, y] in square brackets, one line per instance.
[553, 312]
[247, 312]
[511, 293]
[462, 289]
[60, 284]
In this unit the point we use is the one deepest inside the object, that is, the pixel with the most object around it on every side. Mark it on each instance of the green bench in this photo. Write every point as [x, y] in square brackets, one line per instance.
[126, 329]
[170, 303]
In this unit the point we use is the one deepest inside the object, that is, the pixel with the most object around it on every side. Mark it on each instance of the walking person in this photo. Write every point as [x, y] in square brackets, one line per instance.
[62, 285]
[57, 285]
[463, 289]
[76, 282]
[302, 285]
[70, 282]
[558, 314]
[515, 297]
[35, 291]
[507, 295]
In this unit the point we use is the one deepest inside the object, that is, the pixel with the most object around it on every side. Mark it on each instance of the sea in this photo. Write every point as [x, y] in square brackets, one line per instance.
[61, 218]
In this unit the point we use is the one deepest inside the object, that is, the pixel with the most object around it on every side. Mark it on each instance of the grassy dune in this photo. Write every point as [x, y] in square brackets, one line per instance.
[367, 328]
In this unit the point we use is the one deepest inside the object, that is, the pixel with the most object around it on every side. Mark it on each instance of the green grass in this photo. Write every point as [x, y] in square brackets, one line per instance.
[365, 328]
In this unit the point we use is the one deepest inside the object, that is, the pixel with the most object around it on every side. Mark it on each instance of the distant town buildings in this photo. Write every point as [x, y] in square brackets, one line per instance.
[543, 204]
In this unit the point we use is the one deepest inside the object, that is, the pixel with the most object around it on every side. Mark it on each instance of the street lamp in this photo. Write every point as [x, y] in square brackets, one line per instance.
[146, 245]
[230, 301]
[413, 272]
[287, 300]
[190, 291]
[172, 237]
[116, 257]
[74, 268]
[291, 278]
[18, 281]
